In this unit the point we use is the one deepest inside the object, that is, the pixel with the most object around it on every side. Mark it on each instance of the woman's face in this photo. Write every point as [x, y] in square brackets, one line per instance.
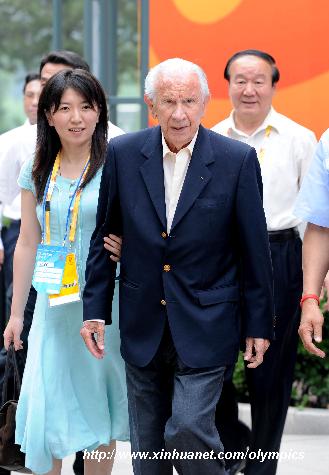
[75, 120]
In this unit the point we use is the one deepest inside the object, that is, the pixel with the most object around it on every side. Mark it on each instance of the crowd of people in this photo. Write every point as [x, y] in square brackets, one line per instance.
[205, 227]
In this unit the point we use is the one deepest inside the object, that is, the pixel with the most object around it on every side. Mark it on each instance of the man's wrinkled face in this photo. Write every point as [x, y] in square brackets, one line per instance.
[250, 87]
[179, 106]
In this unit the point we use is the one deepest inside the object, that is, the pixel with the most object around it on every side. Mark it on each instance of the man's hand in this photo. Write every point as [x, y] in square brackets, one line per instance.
[255, 350]
[113, 244]
[93, 334]
[311, 327]
[13, 332]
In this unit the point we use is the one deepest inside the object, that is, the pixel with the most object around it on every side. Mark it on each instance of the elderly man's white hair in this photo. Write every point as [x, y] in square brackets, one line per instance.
[174, 67]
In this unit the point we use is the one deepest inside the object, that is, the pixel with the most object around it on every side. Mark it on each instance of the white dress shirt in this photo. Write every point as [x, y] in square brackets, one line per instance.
[175, 167]
[13, 153]
[285, 150]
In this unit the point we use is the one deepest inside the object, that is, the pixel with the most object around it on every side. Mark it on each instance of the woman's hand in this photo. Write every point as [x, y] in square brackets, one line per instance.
[13, 332]
[113, 244]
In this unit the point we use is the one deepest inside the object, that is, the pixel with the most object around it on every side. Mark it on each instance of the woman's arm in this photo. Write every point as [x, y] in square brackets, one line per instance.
[24, 259]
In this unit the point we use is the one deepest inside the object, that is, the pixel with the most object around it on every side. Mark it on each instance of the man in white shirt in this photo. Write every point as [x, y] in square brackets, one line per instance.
[31, 91]
[284, 150]
[313, 206]
[11, 211]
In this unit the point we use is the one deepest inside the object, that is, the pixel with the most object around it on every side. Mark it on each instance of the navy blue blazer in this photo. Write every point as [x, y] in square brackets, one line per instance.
[212, 271]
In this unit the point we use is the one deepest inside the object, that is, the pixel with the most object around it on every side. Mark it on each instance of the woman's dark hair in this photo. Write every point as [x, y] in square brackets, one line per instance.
[259, 54]
[48, 141]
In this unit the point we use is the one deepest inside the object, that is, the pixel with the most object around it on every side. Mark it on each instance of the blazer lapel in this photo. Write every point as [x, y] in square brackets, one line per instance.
[197, 177]
[152, 173]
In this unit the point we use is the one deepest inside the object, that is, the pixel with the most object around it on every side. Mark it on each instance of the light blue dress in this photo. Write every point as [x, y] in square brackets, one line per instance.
[69, 400]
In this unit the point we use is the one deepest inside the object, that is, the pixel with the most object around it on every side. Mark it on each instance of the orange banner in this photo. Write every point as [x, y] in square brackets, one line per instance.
[208, 32]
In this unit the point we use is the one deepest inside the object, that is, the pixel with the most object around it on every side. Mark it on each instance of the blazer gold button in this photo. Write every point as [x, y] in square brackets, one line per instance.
[164, 235]
[163, 302]
[166, 268]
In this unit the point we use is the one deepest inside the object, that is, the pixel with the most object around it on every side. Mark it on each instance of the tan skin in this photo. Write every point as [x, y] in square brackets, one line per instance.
[251, 92]
[179, 106]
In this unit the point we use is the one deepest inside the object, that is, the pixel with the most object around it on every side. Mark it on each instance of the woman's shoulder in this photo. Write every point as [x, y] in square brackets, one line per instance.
[25, 179]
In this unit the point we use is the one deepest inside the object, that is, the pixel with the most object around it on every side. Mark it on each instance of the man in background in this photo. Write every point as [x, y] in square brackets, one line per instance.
[313, 206]
[284, 150]
[31, 91]
[11, 210]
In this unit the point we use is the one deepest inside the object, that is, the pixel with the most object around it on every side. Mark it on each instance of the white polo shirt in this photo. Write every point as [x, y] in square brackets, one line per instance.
[285, 150]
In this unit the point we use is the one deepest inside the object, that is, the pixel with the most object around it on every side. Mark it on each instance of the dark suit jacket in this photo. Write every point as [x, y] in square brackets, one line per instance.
[217, 250]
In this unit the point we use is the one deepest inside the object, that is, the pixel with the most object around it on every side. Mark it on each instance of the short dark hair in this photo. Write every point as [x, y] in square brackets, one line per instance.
[69, 58]
[259, 54]
[48, 141]
[30, 77]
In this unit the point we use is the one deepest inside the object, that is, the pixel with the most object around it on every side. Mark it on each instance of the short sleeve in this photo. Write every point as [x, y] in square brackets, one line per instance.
[25, 177]
[313, 200]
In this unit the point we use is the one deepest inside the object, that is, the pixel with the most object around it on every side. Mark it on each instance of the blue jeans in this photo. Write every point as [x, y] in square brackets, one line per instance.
[172, 414]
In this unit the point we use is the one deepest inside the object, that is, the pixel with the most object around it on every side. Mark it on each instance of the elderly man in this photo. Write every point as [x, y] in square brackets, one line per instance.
[194, 255]
[284, 150]
[313, 206]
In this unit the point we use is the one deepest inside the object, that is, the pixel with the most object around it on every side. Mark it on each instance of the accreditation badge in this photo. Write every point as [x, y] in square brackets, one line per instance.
[49, 268]
[70, 290]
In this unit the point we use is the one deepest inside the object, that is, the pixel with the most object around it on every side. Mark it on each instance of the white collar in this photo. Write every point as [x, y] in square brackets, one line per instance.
[272, 119]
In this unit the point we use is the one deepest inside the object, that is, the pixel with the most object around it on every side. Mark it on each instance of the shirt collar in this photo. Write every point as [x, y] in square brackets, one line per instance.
[272, 119]
[27, 123]
[189, 147]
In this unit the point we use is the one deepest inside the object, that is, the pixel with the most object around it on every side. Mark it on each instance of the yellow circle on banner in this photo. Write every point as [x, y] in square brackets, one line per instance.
[205, 11]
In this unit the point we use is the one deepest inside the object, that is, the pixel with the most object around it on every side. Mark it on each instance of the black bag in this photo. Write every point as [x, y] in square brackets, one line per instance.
[11, 458]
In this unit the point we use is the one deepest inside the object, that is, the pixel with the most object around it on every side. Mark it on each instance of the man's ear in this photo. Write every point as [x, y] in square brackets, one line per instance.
[150, 105]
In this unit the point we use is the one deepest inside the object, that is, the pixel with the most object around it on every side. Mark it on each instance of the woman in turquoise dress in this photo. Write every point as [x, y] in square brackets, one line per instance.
[69, 400]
